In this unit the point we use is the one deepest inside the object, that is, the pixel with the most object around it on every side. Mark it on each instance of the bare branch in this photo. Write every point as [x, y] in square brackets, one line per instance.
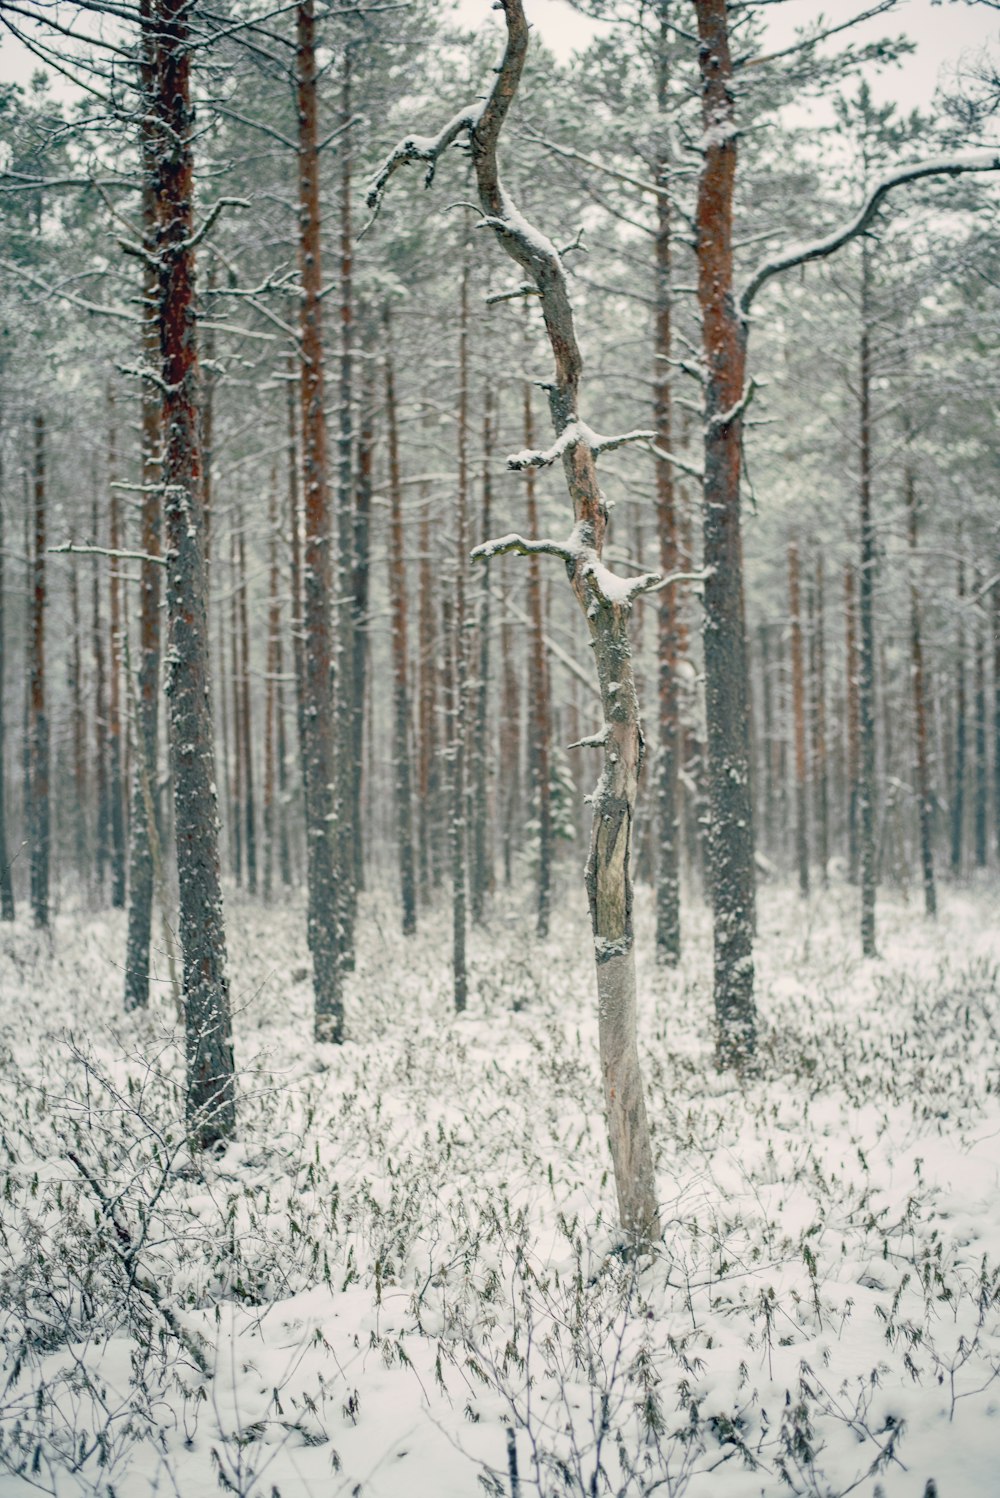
[505, 545]
[819, 249]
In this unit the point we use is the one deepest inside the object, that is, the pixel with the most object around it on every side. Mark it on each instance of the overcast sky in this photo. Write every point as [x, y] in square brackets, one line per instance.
[942, 34]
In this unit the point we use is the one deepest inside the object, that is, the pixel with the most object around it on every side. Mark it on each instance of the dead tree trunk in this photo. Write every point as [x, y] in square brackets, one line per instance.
[141, 871]
[40, 809]
[799, 723]
[726, 701]
[400, 655]
[541, 730]
[318, 579]
[606, 602]
[211, 1101]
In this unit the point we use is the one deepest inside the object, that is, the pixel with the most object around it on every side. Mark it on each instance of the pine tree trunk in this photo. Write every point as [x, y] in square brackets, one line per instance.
[78, 730]
[482, 872]
[510, 784]
[669, 749]
[210, 1096]
[294, 522]
[981, 804]
[726, 701]
[6, 879]
[40, 809]
[102, 848]
[852, 722]
[541, 731]
[925, 798]
[238, 799]
[961, 732]
[347, 767]
[318, 571]
[115, 787]
[768, 735]
[820, 767]
[799, 721]
[866, 630]
[400, 656]
[141, 871]
[457, 823]
[270, 689]
[360, 589]
[428, 771]
[246, 720]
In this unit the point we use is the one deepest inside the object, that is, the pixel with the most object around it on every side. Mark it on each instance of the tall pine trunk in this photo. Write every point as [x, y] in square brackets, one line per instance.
[482, 871]
[820, 767]
[400, 656]
[458, 848]
[115, 775]
[961, 730]
[799, 722]
[211, 1090]
[40, 807]
[925, 798]
[726, 699]
[541, 729]
[246, 719]
[141, 872]
[6, 880]
[347, 767]
[318, 718]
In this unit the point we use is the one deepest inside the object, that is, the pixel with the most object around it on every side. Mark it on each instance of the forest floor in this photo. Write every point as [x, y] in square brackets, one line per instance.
[405, 1280]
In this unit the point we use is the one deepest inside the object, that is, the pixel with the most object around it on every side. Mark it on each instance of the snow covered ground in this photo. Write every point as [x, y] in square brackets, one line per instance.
[404, 1281]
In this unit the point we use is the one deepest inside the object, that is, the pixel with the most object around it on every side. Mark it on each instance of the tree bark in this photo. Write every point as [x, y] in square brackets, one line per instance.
[961, 731]
[211, 1091]
[324, 904]
[925, 798]
[457, 726]
[866, 626]
[400, 656]
[428, 763]
[235, 673]
[541, 728]
[852, 722]
[246, 720]
[347, 768]
[820, 766]
[40, 808]
[482, 871]
[6, 880]
[981, 804]
[509, 790]
[270, 690]
[799, 722]
[359, 592]
[724, 351]
[141, 871]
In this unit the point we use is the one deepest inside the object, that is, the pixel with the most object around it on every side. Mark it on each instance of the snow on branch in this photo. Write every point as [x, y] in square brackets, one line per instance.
[423, 148]
[505, 545]
[818, 249]
[572, 435]
[682, 464]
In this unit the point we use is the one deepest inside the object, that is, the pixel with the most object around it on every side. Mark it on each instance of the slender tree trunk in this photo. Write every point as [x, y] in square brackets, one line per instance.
[270, 688]
[668, 908]
[347, 767]
[103, 840]
[981, 806]
[360, 589]
[768, 735]
[246, 720]
[141, 871]
[428, 759]
[115, 787]
[820, 767]
[6, 880]
[211, 1101]
[541, 729]
[460, 692]
[40, 810]
[294, 521]
[866, 621]
[995, 619]
[400, 656]
[318, 572]
[726, 701]
[239, 800]
[482, 872]
[510, 786]
[925, 798]
[799, 723]
[78, 730]
[852, 721]
[961, 732]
